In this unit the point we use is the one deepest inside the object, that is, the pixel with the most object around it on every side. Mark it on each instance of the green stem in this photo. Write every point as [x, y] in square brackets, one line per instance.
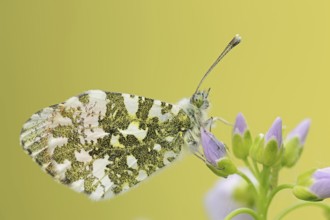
[274, 192]
[296, 206]
[241, 211]
[264, 190]
[265, 174]
[253, 170]
[256, 195]
[255, 165]
[247, 179]
[274, 176]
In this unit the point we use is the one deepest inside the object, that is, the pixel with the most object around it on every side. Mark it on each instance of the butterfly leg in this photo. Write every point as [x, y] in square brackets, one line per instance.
[191, 141]
[200, 156]
[209, 122]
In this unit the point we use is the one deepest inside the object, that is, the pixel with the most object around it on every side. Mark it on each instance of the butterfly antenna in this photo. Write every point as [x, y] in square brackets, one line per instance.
[236, 40]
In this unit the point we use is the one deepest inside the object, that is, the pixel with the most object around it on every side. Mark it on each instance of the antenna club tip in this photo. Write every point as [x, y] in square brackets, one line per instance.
[236, 40]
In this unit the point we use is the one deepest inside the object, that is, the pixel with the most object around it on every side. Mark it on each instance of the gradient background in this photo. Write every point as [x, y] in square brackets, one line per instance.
[52, 50]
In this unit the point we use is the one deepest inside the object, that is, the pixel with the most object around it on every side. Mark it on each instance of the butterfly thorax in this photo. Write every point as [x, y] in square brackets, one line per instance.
[196, 108]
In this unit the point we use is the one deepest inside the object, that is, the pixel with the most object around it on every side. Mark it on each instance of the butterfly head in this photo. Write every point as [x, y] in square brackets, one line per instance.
[199, 99]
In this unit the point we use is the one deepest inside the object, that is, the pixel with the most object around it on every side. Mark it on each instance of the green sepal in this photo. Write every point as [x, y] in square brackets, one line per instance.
[227, 165]
[304, 193]
[242, 144]
[224, 168]
[271, 153]
[216, 171]
[256, 150]
[292, 152]
[267, 155]
[301, 190]
[306, 178]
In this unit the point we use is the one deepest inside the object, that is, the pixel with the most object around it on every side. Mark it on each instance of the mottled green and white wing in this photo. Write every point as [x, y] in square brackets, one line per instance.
[104, 143]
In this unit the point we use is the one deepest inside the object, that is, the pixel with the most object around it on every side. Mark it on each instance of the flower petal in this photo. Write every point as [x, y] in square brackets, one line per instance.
[275, 132]
[321, 188]
[313, 185]
[219, 201]
[240, 124]
[300, 131]
[212, 147]
[323, 173]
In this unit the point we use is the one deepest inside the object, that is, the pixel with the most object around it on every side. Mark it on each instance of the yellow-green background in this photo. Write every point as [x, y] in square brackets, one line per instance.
[52, 50]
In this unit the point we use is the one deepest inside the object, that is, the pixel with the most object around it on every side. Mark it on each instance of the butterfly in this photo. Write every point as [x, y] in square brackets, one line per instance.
[105, 143]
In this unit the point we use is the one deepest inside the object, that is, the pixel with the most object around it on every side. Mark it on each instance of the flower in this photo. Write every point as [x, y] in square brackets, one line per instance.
[313, 185]
[275, 132]
[240, 125]
[213, 148]
[294, 142]
[300, 131]
[241, 138]
[222, 198]
[216, 155]
[267, 149]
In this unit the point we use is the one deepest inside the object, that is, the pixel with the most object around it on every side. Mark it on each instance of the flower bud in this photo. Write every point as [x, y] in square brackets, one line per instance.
[212, 147]
[216, 155]
[313, 185]
[241, 138]
[275, 132]
[267, 149]
[224, 167]
[293, 144]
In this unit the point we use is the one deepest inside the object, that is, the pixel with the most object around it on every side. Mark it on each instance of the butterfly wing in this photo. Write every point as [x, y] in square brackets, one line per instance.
[104, 143]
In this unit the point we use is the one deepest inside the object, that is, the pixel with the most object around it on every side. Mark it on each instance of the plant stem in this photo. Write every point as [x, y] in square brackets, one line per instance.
[241, 211]
[247, 179]
[255, 165]
[274, 192]
[274, 176]
[296, 206]
[264, 190]
[254, 171]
